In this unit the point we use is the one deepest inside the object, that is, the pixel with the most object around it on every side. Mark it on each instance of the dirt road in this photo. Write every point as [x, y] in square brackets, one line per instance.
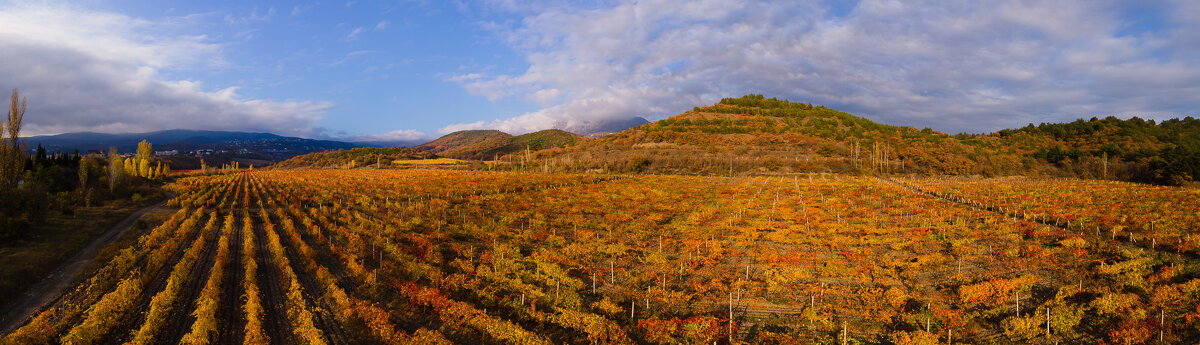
[46, 291]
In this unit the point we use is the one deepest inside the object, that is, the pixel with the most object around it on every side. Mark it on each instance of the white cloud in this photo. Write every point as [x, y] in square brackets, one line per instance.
[270, 12]
[95, 71]
[354, 33]
[349, 56]
[956, 67]
[402, 135]
[544, 96]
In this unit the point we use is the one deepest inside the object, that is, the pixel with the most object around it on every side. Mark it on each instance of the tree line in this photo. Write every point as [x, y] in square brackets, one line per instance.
[36, 184]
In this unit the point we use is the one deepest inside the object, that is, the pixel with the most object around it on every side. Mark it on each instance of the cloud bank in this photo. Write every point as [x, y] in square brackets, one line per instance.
[971, 66]
[94, 71]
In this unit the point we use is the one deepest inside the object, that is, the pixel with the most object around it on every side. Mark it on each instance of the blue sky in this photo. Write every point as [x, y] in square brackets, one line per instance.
[412, 70]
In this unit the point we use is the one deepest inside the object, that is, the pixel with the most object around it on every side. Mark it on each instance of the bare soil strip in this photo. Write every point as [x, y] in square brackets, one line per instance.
[275, 318]
[230, 318]
[334, 334]
[137, 316]
[181, 318]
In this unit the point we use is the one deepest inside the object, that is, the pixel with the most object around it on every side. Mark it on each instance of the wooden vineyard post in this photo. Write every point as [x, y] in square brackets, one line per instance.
[731, 317]
[843, 332]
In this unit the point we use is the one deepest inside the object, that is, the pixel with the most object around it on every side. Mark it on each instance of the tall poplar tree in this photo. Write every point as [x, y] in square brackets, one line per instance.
[11, 160]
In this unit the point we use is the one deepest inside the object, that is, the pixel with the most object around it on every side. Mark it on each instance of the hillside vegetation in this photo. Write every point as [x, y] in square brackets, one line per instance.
[756, 134]
[1135, 149]
[461, 139]
[487, 145]
[354, 157]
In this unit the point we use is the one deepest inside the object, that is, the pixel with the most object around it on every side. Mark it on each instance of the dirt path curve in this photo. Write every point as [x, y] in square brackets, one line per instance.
[46, 291]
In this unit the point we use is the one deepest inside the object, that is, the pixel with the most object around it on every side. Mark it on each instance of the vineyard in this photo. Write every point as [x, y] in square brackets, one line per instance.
[472, 257]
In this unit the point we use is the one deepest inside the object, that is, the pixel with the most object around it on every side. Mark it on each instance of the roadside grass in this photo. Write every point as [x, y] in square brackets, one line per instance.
[28, 260]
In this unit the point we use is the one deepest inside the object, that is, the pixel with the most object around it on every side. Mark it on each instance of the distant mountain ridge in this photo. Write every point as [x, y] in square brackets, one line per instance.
[271, 146]
[94, 141]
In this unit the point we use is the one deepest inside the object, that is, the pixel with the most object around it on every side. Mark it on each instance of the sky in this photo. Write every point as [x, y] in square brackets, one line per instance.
[415, 70]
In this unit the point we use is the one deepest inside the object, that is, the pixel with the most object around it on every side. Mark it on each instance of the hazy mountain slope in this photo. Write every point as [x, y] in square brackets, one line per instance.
[272, 145]
[89, 140]
[603, 127]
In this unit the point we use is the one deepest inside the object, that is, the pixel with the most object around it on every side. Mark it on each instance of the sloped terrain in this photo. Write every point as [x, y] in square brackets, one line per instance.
[457, 141]
[488, 145]
[755, 134]
[363, 156]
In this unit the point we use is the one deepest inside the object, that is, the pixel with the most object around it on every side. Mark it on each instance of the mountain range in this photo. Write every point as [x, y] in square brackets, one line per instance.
[190, 140]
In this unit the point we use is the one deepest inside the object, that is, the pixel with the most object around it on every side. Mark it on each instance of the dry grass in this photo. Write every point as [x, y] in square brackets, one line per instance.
[435, 161]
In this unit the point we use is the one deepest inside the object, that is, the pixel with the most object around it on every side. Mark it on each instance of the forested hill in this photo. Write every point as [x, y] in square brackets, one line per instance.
[753, 133]
[461, 140]
[1167, 152]
[489, 144]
